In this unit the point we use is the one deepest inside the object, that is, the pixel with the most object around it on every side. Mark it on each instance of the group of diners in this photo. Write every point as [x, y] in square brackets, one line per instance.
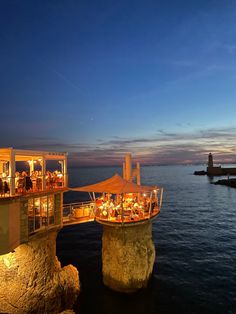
[130, 207]
[4, 187]
[31, 182]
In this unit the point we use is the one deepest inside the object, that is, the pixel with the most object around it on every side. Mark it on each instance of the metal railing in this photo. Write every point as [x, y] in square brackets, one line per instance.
[127, 215]
[78, 211]
[87, 211]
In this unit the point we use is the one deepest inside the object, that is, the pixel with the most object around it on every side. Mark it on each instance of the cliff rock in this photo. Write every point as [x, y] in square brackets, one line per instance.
[128, 255]
[32, 280]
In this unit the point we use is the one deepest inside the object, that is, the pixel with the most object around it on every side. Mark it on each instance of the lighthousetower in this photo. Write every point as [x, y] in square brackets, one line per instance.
[210, 161]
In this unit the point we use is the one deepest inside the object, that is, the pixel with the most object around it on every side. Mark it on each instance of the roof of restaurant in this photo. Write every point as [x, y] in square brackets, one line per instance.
[114, 185]
[24, 155]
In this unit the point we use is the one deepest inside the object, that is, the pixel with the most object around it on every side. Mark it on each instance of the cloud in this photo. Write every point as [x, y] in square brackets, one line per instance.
[162, 148]
[167, 133]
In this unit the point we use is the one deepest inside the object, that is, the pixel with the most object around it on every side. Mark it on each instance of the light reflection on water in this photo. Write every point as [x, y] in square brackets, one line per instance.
[195, 239]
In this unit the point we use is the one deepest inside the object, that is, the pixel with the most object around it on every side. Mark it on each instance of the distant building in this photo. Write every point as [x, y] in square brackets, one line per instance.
[218, 171]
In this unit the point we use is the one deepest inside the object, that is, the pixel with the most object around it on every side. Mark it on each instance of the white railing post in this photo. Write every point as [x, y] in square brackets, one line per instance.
[65, 177]
[43, 173]
[12, 170]
[161, 198]
[150, 205]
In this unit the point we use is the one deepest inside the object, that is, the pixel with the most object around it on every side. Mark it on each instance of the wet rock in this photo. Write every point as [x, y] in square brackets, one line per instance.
[33, 281]
[226, 182]
[200, 173]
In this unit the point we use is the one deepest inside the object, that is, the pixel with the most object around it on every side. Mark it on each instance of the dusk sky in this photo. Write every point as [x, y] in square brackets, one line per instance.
[101, 78]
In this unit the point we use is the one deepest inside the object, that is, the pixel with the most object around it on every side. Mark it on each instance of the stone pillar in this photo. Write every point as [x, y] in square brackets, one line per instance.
[128, 255]
[33, 281]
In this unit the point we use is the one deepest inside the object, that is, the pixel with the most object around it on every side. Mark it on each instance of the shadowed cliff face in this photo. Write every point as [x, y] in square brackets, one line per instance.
[128, 255]
[32, 280]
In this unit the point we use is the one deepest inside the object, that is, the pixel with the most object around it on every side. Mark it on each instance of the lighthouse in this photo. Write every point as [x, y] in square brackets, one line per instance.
[210, 161]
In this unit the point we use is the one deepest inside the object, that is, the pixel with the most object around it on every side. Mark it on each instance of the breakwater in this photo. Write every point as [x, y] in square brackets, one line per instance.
[227, 182]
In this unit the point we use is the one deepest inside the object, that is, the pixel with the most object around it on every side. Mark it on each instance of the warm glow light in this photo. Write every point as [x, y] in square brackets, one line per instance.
[8, 259]
[31, 161]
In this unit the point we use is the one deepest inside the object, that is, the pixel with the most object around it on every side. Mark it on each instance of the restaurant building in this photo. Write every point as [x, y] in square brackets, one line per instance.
[32, 184]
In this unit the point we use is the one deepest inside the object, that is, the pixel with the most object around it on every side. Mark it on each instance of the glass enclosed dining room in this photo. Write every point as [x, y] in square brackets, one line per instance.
[27, 171]
[41, 212]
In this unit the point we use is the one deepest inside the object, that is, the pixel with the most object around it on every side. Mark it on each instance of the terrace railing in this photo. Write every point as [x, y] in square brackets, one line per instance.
[80, 211]
[88, 211]
[27, 185]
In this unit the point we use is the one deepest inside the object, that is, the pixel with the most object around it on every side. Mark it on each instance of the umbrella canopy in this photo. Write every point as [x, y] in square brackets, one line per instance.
[114, 185]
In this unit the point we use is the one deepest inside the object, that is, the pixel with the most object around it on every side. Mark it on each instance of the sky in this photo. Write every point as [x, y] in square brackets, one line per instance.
[100, 79]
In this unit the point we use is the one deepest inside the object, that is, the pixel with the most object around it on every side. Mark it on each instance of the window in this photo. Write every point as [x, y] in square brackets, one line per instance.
[41, 213]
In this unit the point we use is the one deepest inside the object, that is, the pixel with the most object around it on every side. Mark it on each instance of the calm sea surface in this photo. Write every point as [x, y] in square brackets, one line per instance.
[195, 239]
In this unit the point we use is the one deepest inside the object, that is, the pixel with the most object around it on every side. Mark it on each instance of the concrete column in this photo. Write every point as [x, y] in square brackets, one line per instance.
[138, 174]
[128, 255]
[1, 166]
[124, 174]
[65, 172]
[128, 167]
[43, 173]
[31, 166]
[12, 170]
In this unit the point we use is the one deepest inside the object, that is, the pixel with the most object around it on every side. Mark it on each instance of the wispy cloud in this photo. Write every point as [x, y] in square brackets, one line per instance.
[162, 148]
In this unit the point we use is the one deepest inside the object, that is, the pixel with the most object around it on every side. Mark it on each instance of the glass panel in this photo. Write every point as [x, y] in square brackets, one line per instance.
[41, 212]
[51, 219]
[31, 215]
[44, 210]
[37, 224]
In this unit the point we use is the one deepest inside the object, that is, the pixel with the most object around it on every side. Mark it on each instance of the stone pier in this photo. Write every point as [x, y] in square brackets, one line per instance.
[128, 255]
[32, 280]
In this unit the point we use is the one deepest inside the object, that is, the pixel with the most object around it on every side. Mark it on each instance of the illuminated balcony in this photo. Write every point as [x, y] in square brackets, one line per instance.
[109, 212]
[121, 202]
[25, 172]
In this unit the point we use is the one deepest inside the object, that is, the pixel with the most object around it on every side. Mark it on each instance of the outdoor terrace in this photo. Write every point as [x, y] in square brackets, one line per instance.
[26, 171]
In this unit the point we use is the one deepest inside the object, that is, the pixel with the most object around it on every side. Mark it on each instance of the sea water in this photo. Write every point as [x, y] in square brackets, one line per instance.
[195, 240]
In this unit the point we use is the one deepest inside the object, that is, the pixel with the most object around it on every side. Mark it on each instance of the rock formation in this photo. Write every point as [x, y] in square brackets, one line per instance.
[32, 280]
[128, 255]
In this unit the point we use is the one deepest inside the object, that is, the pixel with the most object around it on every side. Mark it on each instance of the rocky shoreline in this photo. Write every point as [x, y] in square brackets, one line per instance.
[33, 281]
[227, 182]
